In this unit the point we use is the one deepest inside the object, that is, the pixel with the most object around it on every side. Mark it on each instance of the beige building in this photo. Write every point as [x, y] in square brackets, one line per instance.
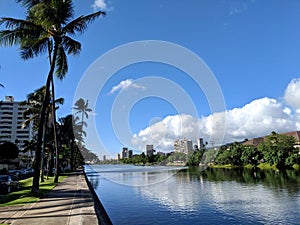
[183, 145]
[11, 120]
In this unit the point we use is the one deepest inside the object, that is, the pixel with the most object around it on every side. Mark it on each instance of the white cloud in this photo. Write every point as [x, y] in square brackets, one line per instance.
[125, 85]
[258, 118]
[292, 94]
[99, 5]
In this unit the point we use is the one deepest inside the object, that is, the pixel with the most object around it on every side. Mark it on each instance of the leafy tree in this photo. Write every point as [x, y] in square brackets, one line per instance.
[276, 148]
[250, 155]
[46, 27]
[230, 154]
[195, 158]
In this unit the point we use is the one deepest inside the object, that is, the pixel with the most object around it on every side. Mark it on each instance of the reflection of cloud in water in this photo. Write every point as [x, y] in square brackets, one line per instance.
[177, 193]
[261, 203]
[138, 175]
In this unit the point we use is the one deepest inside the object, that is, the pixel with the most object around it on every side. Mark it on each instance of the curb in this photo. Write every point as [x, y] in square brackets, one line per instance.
[103, 218]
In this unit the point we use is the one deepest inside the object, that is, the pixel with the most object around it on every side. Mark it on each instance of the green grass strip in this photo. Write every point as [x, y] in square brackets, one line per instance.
[24, 196]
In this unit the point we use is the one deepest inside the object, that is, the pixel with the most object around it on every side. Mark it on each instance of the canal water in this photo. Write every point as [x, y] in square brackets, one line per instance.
[169, 195]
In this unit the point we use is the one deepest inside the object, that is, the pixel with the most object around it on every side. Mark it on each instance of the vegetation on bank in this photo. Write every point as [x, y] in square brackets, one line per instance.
[174, 158]
[277, 151]
[24, 195]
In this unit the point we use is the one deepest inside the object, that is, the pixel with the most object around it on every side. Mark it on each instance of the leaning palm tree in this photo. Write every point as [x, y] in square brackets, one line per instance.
[46, 27]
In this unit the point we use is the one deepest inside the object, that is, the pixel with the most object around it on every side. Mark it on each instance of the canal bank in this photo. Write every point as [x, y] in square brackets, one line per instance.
[102, 216]
[70, 202]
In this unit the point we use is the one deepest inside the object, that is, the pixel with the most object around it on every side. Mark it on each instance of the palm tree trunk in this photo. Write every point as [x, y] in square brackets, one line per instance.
[43, 148]
[37, 166]
[55, 134]
[72, 155]
[54, 120]
[36, 177]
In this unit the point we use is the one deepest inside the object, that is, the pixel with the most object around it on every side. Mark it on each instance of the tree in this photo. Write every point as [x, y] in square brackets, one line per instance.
[83, 110]
[230, 154]
[67, 136]
[276, 148]
[250, 155]
[46, 27]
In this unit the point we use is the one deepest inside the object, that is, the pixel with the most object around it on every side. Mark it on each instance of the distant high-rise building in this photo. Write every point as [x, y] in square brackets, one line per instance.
[126, 153]
[11, 120]
[200, 143]
[149, 150]
[183, 145]
[104, 157]
[118, 156]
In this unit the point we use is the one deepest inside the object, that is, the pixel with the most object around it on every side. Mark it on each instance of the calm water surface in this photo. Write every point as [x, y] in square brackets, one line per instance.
[166, 195]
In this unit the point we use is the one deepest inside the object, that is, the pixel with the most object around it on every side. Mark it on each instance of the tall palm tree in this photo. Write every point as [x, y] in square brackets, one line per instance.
[83, 110]
[68, 130]
[34, 104]
[46, 27]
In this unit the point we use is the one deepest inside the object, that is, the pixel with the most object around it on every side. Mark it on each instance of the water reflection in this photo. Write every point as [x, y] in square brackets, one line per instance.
[240, 193]
[237, 196]
[136, 175]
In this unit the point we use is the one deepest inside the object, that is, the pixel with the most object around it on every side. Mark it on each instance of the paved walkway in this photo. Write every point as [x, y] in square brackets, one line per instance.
[70, 202]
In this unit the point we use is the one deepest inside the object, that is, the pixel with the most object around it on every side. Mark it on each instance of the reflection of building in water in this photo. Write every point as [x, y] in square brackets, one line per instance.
[183, 146]
[149, 150]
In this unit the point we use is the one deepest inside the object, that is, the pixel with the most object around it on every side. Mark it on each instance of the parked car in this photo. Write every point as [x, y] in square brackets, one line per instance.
[15, 173]
[8, 183]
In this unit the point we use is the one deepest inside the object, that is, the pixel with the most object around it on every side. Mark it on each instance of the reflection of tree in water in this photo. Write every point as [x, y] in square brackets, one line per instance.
[285, 179]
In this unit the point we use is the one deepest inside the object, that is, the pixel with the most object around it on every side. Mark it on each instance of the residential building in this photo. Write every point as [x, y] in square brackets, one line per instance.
[256, 141]
[183, 146]
[11, 120]
[149, 150]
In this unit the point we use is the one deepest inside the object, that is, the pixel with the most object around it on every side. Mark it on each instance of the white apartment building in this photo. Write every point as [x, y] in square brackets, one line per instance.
[11, 120]
[183, 145]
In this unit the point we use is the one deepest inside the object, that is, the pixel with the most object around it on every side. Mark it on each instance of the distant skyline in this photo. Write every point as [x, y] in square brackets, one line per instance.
[252, 48]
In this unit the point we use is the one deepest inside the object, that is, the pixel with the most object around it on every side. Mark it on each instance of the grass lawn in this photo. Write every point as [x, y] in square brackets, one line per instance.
[23, 196]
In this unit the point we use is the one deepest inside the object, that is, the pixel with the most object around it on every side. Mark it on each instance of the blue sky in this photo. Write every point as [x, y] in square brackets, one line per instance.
[252, 48]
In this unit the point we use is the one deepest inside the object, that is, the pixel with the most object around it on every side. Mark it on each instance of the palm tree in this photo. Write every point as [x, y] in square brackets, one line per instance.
[34, 104]
[82, 108]
[46, 27]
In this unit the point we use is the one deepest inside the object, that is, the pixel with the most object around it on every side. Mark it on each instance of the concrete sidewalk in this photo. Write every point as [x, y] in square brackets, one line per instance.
[70, 202]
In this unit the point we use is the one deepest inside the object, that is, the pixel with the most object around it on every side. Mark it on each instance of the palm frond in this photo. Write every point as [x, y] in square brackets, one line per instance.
[12, 23]
[59, 101]
[61, 63]
[10, 37]
[32, 48]
[28, 3]
[71, 46]
[80, 24]
[64, 10]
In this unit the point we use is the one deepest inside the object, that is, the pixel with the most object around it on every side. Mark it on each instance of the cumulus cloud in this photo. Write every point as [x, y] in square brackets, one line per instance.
[125, 85]
[292, 94]
[99, 5]
[257, 118]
